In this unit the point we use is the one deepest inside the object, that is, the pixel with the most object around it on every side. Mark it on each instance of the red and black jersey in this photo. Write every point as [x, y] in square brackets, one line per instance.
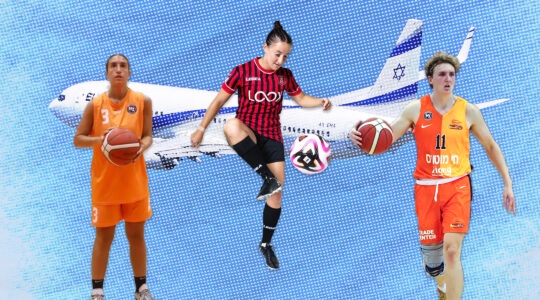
[260, 96]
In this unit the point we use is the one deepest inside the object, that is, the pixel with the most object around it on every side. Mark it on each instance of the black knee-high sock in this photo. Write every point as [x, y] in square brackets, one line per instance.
[139, 281]
[97, 283]
[249, 152]
[270, 220]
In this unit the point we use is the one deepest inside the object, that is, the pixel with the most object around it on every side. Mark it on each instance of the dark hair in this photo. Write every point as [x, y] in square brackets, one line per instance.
[278, 34]
[116, 54]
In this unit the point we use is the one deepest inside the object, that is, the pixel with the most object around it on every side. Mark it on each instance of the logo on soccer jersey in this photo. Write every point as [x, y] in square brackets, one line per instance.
[282, 81]
[261, 96]
[253, 79]
[456, 225]
[132, 109]
[428, 115]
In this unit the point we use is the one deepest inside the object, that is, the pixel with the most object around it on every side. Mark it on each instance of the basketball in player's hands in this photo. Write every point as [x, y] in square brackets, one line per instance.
[120, 146]
[376, 135]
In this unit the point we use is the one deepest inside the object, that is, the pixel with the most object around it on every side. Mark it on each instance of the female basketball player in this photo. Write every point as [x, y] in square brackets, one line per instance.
[118, 193]
[441, 123]
[255, 132]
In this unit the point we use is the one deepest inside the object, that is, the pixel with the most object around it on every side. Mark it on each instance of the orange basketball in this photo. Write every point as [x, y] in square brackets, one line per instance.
[120, 146]
[376, 135]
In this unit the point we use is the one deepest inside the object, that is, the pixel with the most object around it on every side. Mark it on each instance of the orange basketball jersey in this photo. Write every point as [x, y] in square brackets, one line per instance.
[113, 184]
[442, 141]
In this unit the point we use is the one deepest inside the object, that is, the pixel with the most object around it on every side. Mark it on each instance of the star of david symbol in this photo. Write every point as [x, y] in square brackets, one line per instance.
[399, 72]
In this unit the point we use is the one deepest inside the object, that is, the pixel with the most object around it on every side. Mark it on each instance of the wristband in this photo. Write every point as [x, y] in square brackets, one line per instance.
[200, 128]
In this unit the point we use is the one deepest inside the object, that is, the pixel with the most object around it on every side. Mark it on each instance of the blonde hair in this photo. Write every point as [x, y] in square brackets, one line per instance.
[440, 58]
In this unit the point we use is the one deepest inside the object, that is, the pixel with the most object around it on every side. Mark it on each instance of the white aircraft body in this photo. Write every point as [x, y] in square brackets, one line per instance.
[177, 111]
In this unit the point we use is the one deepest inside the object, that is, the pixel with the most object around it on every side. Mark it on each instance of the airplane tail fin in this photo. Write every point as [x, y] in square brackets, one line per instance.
[399, 76]
[463, 52]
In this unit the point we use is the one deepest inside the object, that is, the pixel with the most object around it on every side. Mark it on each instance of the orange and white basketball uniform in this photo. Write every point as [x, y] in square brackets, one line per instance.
[118, 192]
[443, 188]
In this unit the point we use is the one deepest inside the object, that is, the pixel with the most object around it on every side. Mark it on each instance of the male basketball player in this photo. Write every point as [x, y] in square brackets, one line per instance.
[441, 123]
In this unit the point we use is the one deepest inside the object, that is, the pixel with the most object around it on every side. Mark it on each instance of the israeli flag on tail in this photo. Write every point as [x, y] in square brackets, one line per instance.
[398, 80]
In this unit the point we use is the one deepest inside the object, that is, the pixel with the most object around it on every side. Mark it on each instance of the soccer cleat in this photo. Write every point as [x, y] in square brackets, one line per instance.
[143, 294]
[268, 253]
[269, 187]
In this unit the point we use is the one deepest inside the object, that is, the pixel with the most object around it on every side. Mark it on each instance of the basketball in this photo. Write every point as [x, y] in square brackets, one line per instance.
[120, 146]
[376, 135]
[310, 154]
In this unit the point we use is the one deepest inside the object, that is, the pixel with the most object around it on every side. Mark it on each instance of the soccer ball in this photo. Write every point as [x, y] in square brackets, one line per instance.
[310, 154]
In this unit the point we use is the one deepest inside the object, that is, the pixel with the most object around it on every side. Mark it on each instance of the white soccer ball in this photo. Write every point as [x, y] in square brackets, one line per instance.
[310, 154]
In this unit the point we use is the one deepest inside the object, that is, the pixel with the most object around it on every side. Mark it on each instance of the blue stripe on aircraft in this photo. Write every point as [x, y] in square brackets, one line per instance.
[414, 41]
[177, 118]
[402, 93]
[167, 120]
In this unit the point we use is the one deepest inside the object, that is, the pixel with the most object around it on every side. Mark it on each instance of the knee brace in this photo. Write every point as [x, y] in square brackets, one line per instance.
[433, 259]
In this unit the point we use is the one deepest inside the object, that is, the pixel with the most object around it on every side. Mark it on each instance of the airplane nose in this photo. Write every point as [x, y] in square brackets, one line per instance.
[56, 108]
[63, 112]
[53, 106]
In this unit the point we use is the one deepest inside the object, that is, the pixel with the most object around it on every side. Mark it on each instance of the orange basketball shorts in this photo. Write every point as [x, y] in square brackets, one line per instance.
[443, 208]
[106, 215]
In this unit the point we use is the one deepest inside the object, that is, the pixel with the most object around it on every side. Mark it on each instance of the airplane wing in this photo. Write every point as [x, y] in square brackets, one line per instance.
[167, 153]
[490, 103]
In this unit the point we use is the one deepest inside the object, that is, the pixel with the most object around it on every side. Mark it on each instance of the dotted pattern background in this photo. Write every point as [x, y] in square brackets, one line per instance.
[348, 233]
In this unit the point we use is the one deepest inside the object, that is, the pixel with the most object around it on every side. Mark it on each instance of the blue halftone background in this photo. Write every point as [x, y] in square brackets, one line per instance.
[348, 233]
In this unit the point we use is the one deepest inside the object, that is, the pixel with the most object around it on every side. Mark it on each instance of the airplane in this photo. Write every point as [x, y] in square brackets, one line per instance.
[178, 111]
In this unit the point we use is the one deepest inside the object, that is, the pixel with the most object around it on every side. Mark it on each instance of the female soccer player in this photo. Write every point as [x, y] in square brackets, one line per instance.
[441, 123]
[118, 192]
[255, 132]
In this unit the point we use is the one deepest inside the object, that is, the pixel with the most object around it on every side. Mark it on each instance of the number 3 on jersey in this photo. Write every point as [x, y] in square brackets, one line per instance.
[105, 116]
[94, 214]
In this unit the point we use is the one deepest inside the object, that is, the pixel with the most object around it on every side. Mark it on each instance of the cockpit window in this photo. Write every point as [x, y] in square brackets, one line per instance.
[61, 97]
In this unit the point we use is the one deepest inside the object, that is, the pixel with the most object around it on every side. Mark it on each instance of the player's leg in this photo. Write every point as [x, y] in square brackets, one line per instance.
[274, 153]
[453, 268]
[272, 208]
[456, 217]
[244, 142]
[104, 218]
[135, 215]
[431, 234]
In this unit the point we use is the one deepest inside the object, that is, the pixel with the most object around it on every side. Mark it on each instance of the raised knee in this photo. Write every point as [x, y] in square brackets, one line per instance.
[231, 126]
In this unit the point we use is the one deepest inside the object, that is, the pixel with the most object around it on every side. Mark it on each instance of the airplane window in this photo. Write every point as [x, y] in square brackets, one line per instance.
[303, 130]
